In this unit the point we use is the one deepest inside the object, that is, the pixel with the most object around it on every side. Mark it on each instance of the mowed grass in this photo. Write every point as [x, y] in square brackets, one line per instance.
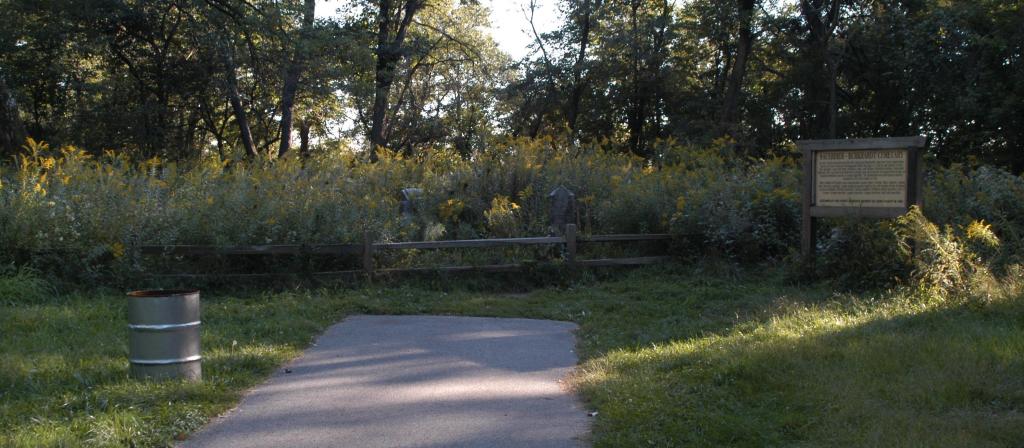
[671, 356]
[64, 372]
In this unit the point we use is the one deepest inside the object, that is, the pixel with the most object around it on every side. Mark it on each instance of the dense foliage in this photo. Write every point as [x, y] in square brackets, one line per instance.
[88, 214]
[72, 206]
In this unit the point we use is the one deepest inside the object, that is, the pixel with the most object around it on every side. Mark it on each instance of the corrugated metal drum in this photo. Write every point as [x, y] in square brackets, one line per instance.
[164, 334]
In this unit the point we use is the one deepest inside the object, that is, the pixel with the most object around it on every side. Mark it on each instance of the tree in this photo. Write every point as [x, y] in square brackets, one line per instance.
[583, 22]
[182, 79]
[393, 21]
[633, 49]
[621, 48]
[12, 131]
[444, 88]
[744, 44]
[241, 117]
[292, 74]
[821, 64]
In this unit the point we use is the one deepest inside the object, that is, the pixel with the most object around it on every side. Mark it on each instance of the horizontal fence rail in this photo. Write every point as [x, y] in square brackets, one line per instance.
[456, 244]
[624, 237]
[368, 248]
[273, 249]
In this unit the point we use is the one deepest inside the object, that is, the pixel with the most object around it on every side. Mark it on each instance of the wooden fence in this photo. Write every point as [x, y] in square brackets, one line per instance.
[368, 248]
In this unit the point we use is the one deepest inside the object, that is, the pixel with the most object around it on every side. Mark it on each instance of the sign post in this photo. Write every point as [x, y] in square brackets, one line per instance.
[868, 177]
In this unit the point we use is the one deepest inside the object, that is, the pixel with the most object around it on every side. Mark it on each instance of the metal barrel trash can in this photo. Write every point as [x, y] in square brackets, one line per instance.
[163, 340]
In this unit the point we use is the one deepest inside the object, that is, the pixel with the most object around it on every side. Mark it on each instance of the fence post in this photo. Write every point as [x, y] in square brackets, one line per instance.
[570, 244]
[367, 253]
[808, 223]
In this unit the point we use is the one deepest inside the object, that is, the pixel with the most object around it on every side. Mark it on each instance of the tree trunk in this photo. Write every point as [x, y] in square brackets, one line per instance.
[304, 138]
[833, 105]
[822, 17]
[12, 130]
[572, 113]
[637, 101]
[380, 106]
[388, 54]
[236, 104]
[744, 43]
[635, 123]
[291, 77]
[189, 141]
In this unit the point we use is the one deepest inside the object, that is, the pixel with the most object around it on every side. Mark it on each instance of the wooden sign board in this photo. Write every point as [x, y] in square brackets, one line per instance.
[870, 177]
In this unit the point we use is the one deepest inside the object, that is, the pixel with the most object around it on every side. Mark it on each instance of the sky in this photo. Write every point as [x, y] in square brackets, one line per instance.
[509, 25]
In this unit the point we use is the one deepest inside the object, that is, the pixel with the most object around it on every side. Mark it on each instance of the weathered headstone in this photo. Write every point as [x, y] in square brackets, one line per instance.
[563, 209]
[407, 206]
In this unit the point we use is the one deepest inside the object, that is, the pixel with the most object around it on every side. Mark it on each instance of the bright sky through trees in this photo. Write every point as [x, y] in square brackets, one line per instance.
[509, 24]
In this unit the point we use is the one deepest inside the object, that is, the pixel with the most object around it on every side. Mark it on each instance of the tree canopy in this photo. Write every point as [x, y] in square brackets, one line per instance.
[182, 79]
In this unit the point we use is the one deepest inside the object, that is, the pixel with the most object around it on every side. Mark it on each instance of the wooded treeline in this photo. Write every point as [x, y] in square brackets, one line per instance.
[253, 78]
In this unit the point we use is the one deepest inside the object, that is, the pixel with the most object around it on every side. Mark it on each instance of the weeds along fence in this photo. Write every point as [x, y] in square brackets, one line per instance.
[569, 242]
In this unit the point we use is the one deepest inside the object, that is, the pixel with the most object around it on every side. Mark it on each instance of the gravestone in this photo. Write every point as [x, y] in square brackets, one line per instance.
[563, 209]
[407, 205]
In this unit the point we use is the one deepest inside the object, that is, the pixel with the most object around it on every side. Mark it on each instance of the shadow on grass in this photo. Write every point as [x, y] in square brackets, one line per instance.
[949, 376]
[65, 367]
[639, 312]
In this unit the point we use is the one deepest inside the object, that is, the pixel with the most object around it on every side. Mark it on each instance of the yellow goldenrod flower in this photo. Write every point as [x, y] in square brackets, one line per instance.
[982, 231]
[117, 250]
[451, 209]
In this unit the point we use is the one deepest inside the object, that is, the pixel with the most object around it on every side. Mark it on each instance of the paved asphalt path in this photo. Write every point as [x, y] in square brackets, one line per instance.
[416, 381]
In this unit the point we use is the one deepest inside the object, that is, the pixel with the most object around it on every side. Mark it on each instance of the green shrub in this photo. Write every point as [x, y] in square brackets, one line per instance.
[22, 285]
[955, 262]
[750, 211]
[503, 217]
[958, 196]
[861, 253]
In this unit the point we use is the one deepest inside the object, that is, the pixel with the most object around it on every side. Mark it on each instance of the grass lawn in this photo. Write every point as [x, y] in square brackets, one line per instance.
[670, 357]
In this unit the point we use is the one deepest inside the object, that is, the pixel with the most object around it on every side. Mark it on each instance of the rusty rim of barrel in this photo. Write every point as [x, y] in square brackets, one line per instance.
[161, 293]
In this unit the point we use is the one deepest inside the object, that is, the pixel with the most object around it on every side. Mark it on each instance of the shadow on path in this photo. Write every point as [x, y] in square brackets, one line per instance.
[416, 381]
